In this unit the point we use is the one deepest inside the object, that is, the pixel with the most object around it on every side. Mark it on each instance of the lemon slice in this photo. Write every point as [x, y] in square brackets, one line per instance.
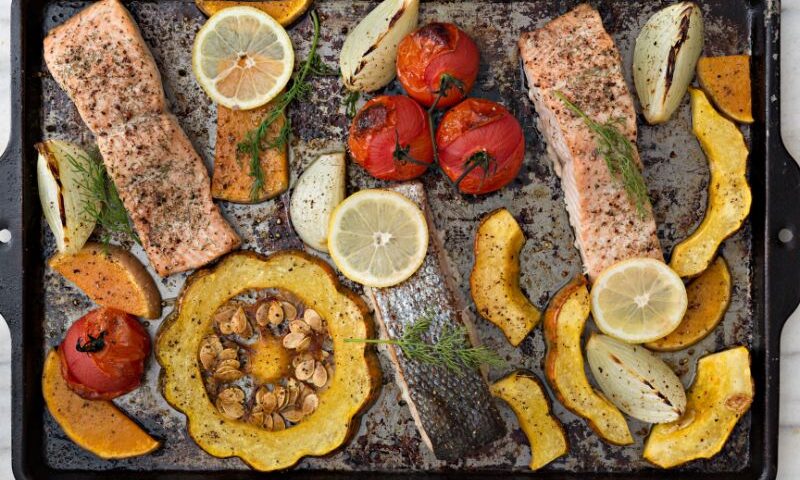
[638, 300]
[378, 238]
[242, 58]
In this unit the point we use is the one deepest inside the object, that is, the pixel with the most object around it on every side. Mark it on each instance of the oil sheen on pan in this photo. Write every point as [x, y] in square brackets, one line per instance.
[676, 174]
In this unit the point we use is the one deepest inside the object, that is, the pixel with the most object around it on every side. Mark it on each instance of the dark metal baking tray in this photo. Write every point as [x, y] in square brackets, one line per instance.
[38, 305]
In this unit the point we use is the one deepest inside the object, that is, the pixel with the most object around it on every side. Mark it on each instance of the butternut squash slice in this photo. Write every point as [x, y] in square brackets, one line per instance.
[111, 277]
[727, 81]
[709, 297]
[564, 321]
[284, 11]
[494, 282]
[720, 395]
[95, 425]
[524, 393]
[231, 180]
[356, 376]
[729, 196]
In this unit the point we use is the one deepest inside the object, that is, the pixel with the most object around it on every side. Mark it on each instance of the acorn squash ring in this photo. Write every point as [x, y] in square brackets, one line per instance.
[356, 379]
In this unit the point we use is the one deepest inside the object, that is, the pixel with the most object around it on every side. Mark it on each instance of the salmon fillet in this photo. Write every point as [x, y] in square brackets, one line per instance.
[455, 415]
[101, 60]
[574, 55]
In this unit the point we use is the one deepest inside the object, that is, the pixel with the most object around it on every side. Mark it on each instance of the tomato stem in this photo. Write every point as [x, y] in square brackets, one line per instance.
[479, 159]
[93, 344]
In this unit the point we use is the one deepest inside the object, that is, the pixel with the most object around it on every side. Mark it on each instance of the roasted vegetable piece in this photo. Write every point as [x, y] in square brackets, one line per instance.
[62, 173]
[314, 283]
[284, 11]
[494, 283]
[103, 354]
[720, 395]
[709, 297]
[481, 146]
[232, 180]
[525, 395]
[390, 138]
[636, 381]
[664, 58]
[95, 425]
[434, 52]
[564, 321]
[319, 190]
[727, 81]
[369, 53]
[111, 277]
[729, 196]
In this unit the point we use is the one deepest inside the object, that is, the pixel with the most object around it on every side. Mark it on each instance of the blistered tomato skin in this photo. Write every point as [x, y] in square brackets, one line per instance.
[103, 354]
[434, 50]
[380, 126]
[483, 136]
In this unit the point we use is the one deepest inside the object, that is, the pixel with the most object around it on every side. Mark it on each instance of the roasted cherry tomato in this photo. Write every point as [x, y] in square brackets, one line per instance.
[103, 354]
[390, 138]
[435, 51]
[481, 146]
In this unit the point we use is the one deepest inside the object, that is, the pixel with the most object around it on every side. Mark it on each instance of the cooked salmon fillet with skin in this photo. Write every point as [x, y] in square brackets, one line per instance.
[100, 59]
[574, 55]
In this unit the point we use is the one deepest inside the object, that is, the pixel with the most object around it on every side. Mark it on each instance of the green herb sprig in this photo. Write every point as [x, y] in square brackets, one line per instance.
[101, 200]
[619, 154]
[350, 102]
[451, 351]
[255, 142]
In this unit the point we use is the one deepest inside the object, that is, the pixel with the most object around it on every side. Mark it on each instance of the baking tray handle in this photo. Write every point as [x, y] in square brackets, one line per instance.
[11, 218]
[783, 233]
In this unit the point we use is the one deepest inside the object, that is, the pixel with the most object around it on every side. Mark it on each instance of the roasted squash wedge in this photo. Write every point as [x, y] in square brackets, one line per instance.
[709, 297]
[564, 321]
[111, 277]
[284, 11]
[727, 81]
[356, 377]
[231, 180]
[494, 283]
[729, 196]
[524, 393]
[96, 425]
[720, 395]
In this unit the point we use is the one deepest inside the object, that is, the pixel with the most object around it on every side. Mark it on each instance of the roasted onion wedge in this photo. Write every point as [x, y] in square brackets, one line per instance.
[564, 321]
[319, 190]
[369, 53]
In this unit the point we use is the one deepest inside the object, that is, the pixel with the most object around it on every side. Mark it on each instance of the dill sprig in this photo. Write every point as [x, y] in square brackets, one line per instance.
[619, 154]
[254, 142]
[350, 102]
[451, 351]
[101, 200]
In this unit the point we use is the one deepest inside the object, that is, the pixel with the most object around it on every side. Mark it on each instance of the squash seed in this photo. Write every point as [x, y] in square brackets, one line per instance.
[293, 340]
[278, 423]
[299, 326]
[304, 370]
[310, 404]
[289, 310]
[320, 377]
[313, 319]
[292, 414]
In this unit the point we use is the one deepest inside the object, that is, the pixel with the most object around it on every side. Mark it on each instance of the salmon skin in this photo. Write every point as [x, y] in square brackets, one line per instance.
[101, 60]
[574, 55]
[455, 414]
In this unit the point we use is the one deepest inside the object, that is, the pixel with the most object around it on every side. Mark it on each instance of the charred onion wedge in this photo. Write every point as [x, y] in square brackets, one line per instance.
[729, 196]
[315, 284]
[709, 297]
[526, 396]
[494, 282]
[721, 394]
[564, 321]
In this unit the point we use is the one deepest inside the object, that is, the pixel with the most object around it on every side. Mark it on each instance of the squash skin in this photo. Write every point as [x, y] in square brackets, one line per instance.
[526, 396]
[95, 425]
[494, 281]
[709, 297]
[720, 395]
[355, 384]
[284, 11]
[729, 196]
[564, 321]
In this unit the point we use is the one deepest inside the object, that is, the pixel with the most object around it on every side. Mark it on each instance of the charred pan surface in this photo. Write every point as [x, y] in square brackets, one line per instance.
[675, 171]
